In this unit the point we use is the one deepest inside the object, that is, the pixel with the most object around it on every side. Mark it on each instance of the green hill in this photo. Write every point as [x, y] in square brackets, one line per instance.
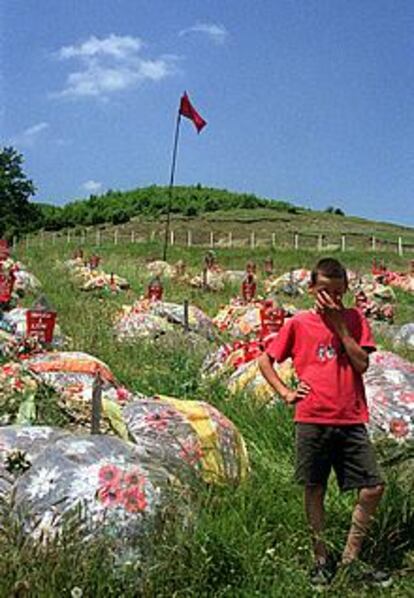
[205, 216]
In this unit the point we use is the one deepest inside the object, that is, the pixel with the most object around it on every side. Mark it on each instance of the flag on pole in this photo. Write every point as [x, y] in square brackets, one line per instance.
[188, 110]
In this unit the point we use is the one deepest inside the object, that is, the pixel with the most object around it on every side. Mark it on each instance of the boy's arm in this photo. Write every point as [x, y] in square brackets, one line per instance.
[288, 395]
[357, 355]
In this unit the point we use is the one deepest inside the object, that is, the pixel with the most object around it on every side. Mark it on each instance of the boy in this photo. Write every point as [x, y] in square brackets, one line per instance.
[329, 346]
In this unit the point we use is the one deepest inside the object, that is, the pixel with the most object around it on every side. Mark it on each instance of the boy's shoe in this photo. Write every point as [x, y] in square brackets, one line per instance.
[357, 571]
[323, 573]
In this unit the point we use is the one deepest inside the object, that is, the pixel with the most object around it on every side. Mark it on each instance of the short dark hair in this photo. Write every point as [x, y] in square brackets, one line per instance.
[330, 268]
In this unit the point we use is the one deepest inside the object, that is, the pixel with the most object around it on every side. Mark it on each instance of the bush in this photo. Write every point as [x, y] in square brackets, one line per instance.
[191, 210]
[120, 217]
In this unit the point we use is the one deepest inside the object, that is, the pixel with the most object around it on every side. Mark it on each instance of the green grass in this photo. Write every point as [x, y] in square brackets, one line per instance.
[248, 541]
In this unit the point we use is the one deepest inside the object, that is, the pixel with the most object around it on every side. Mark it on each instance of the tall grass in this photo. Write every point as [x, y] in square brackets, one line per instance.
[246, 541]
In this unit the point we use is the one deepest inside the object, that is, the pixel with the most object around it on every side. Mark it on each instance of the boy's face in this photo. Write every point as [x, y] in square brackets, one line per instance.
[334, 287]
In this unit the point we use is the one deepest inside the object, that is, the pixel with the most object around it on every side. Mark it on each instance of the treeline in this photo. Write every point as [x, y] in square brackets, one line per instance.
[17, 214]
[117, 207]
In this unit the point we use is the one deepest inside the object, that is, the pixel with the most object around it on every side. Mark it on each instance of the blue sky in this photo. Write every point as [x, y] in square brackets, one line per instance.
[306, 100]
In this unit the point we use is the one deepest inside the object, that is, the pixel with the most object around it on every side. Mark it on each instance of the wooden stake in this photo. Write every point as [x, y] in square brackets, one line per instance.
[186, 322]
[96, 403]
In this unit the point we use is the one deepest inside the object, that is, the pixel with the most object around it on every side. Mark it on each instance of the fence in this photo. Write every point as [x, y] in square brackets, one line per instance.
[213, 239]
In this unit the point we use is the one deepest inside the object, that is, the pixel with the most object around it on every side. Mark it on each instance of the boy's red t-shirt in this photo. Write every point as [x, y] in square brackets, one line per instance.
[337, 395]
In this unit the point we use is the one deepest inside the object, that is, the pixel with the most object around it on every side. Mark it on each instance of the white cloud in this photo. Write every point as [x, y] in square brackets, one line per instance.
[29, 136]
[91, 186]
[114, 45]
[109, 65]
[217, 33]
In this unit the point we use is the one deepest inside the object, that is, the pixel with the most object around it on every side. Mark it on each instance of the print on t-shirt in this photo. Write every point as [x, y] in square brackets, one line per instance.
[325, 352]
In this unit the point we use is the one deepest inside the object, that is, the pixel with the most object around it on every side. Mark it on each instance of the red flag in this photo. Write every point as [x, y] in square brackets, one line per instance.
[188, 110]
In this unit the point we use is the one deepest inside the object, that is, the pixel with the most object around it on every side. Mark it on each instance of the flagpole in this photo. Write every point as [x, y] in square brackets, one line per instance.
[171, 185]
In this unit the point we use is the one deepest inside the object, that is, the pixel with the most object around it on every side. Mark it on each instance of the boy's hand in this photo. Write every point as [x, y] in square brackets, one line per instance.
[293, 396]
[332, 309]
[324, 302]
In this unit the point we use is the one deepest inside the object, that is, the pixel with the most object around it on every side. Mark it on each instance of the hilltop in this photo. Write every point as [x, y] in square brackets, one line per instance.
[219, 217]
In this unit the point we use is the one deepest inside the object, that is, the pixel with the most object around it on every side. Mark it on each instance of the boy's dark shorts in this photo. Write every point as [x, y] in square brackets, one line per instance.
[345, 449]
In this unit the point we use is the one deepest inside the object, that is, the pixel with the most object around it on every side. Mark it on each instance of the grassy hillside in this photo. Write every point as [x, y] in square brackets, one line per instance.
[242, 542]
[205, 212]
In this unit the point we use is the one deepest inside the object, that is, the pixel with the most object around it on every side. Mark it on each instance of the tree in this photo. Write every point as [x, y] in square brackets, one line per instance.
[17, 214]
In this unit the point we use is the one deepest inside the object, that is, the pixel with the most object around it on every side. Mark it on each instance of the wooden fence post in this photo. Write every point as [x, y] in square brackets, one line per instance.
[98, 237]
[189, 238]
[68, 237]
[273, 239]
[373, 244]
[252, 240]
[400, 246]
[116, 236]
[211, 239]
[343, 243]
[296, 241]
[230, 240]
[132, 236]
[152, 238]
[320, 243]
[172, 237]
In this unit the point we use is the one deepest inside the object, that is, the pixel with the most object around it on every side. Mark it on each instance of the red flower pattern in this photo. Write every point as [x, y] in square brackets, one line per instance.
[110, 476]
[122, 488]
[399, 428]
[191, 451]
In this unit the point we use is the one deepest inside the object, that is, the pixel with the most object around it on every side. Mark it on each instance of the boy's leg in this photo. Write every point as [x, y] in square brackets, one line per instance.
[313, 464]
[368, 500]
[356, 468]
[315, 513]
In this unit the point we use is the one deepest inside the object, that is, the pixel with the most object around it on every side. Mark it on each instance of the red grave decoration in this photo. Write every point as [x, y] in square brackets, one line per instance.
[6, 286]
[4, 250]
[248, 288]
[41, 324]
[94, 261]
[272, 318]
[155, 290]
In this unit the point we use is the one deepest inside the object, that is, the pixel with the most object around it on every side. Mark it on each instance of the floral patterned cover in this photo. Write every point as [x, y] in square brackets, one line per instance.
[249, 379]
[221, 452]
[90, 279]
[24, 281]
[291, 283]
[132, 325]
[147, 318]
[116, 489]
[231, 356]
[192, 436]
[389, 384]
[237, 365]
[239, 319]
[71, 376]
